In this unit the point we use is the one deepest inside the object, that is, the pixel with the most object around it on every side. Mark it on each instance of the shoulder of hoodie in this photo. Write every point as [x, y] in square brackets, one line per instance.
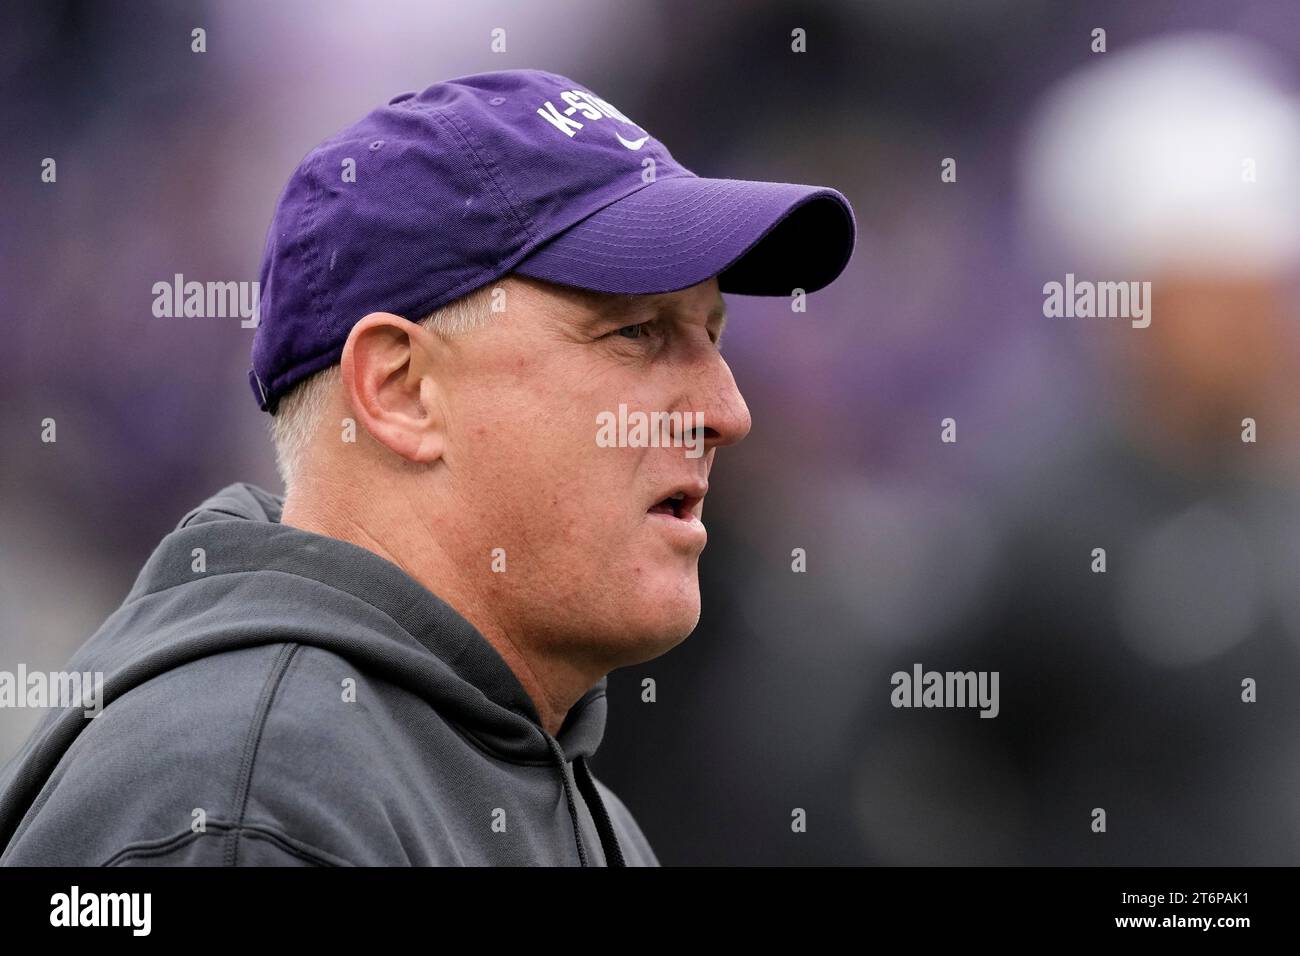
[253, 738]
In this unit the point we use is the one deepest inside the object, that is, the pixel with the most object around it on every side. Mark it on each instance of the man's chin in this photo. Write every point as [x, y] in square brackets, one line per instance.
[661, 626]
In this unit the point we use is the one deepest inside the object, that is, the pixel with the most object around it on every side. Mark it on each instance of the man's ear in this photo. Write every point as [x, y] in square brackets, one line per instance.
[388, 380]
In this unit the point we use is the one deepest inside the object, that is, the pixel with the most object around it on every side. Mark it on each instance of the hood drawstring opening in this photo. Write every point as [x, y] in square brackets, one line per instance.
[568, 795]
[587, 786]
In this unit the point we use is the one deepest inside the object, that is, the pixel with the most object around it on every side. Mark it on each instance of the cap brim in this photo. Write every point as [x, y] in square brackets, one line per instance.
[758, 238]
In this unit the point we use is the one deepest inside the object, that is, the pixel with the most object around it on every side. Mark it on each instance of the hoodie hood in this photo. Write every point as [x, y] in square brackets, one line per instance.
[422, 646]
[453, 667]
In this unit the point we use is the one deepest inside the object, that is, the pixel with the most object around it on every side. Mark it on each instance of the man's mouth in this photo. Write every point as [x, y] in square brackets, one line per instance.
[683, 503]
[670, 506]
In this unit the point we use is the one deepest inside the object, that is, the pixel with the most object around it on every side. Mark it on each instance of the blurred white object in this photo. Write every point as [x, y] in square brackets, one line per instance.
[1191, 589]
[1142, 160]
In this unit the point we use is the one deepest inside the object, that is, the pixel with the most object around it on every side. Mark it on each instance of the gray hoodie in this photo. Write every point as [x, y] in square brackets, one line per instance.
[276, 697]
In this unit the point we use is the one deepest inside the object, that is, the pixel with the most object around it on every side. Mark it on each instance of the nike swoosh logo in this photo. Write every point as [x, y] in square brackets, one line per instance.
[632, 143]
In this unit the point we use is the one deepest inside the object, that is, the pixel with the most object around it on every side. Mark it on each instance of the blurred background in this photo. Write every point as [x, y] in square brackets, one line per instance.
[1119, 690]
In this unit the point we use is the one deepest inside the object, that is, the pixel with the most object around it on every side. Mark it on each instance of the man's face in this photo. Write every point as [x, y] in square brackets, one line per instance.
[596, 563]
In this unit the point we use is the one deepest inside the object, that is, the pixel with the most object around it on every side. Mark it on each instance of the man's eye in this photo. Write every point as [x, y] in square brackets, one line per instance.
[631, 331]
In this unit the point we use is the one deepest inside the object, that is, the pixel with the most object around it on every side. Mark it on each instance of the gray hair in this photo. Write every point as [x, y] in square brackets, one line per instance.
[302, 410]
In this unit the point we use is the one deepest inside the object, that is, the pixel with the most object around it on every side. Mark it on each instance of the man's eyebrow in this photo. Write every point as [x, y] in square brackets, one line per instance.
[605, 307]
[608, 307]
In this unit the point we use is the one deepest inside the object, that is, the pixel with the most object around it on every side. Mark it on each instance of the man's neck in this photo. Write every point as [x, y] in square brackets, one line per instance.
[553, 686]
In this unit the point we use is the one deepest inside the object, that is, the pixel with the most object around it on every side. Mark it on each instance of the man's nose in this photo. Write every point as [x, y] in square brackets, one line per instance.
[725, 415]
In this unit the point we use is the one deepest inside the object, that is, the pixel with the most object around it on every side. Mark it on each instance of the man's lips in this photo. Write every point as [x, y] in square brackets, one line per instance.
[684, 501]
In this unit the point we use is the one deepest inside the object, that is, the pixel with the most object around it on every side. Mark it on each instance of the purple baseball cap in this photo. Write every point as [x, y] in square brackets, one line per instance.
[440, 192]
